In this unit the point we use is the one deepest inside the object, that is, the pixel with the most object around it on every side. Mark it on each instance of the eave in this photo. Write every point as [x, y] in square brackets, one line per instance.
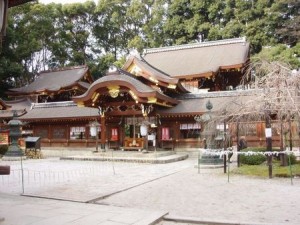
[12, 3]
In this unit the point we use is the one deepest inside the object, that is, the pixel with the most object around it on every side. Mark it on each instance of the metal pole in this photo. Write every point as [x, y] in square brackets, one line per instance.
[22, 173]
[228, 170]
[237, 144]
[224, 145]
[291, 150]
[290, 166]
[199, 161]
[291, 142]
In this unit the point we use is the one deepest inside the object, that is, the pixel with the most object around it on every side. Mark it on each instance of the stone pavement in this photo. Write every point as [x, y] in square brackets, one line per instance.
[128, 193]
[21, 210]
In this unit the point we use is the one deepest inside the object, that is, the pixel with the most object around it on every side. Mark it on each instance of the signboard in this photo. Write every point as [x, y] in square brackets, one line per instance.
[4, 138]
[268, 132]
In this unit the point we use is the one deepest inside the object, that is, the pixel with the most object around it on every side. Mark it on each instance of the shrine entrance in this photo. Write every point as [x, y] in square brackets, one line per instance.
[127, 108]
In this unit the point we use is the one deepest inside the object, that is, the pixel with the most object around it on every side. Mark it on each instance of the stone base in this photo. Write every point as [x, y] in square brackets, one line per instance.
[13, 158]
[14, 151]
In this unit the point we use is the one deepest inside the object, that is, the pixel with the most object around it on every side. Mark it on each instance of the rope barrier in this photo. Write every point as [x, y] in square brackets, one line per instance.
[248, 153]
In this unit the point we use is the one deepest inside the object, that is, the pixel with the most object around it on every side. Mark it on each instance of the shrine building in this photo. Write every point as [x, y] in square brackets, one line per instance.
[151, 102]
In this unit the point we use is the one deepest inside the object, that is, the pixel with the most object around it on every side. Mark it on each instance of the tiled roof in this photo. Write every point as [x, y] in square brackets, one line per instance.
[123, 78]
[58, 110]
[195, 104]
[20, 106]
[8, 114]
[54, 80]
[198, 58]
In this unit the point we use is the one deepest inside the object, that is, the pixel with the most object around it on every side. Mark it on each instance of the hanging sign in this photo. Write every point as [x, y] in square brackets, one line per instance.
[93, 131]
[114, 134]
[144, 130]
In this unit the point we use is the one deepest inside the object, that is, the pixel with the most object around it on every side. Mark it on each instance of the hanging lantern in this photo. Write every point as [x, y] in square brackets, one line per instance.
[144, 130]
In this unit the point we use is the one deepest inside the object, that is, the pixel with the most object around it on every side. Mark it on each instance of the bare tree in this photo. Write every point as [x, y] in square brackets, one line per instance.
[274, 94]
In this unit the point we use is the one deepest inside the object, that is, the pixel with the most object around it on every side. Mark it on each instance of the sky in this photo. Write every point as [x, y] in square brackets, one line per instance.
[61, 1]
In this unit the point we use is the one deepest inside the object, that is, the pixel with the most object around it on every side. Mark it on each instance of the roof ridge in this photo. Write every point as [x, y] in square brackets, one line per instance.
[53, 104]
[195, 45]
[63, 69]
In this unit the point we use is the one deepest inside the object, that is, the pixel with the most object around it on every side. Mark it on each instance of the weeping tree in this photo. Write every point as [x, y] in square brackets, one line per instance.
[274, 95]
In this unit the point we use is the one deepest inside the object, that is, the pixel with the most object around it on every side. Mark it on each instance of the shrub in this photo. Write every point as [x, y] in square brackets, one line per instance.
[3, 149]
[253, 159]
[293, 159]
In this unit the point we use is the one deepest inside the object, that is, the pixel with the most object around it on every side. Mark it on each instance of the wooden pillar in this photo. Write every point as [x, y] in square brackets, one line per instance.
[103, 132]
[269, 141]
[176, 128]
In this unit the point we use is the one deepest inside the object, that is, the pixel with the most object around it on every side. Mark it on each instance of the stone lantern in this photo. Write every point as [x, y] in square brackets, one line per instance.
[14, 149]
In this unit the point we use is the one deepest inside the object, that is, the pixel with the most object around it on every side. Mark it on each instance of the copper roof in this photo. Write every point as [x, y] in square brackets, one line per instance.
[51, 81]
[58, 110]
[127, 81]
[199, 58]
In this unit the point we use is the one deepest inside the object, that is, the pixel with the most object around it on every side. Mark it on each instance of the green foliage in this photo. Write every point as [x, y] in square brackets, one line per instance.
[292, 159]
[255, 159]
[281, 53]
[56, 35]
[3, 149]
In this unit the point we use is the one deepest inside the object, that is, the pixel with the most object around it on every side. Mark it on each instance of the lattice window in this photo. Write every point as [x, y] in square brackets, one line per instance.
[59, 133]
[42, 132]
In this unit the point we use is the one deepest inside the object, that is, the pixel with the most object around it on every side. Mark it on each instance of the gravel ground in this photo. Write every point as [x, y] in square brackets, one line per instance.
[174, 187]
[210, 197]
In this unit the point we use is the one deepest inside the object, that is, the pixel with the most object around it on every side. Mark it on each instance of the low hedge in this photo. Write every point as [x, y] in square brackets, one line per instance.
[253, 159]
[259, 159]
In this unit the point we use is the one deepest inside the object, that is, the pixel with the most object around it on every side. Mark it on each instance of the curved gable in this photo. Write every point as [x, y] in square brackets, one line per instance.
[141, 68]
[116, 84]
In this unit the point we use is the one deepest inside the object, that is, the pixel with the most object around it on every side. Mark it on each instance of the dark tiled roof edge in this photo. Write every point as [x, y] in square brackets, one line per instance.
[64, 69]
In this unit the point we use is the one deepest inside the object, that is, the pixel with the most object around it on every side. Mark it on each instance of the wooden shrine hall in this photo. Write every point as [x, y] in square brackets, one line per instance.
[152, 101]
